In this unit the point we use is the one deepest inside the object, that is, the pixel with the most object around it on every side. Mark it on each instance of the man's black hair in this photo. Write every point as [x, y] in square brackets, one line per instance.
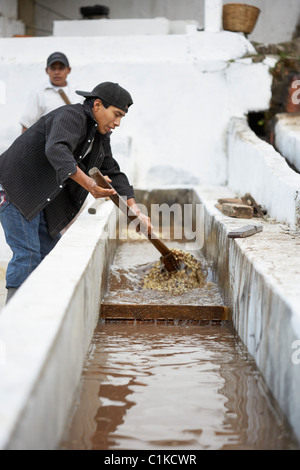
[90, 102]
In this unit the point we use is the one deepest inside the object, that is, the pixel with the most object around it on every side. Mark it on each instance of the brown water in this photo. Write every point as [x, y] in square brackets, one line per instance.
[172, 387]
[155, 386]
[133, 260]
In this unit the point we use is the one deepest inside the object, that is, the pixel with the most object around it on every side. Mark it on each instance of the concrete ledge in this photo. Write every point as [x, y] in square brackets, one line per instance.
[122, 27]
[287, 137]
[110, 27]
[254, 166]
[45, 332]
[259, 277]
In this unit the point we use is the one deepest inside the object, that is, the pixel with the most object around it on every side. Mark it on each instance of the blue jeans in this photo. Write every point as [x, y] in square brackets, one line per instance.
[30, 242]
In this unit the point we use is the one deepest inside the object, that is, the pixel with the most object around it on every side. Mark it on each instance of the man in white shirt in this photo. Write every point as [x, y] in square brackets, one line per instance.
[48, 97]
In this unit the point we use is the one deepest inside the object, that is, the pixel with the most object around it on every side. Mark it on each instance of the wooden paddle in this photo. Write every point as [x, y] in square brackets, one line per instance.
[168, 258]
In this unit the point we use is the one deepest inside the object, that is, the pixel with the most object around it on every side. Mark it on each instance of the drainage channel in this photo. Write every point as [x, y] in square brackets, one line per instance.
[169, 372]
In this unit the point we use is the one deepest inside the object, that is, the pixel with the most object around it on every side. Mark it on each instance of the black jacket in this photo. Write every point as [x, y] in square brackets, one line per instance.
[35, 170]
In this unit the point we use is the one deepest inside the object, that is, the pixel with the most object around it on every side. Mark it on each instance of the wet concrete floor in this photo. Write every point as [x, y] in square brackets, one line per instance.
[157, 385]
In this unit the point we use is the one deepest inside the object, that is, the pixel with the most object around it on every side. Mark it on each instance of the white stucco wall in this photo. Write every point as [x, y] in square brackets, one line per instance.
[121, 27]
[256, 167]
[259, 278]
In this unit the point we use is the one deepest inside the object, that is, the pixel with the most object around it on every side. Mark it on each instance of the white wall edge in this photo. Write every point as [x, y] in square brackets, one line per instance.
[255, 167]
[45, 332]
[259, 278]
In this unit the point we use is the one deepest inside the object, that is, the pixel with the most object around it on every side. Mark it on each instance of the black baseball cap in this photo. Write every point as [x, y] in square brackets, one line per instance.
[112, 93]
[57, 57]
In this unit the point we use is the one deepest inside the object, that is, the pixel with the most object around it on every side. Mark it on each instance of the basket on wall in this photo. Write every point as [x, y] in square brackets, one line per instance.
[239, 17]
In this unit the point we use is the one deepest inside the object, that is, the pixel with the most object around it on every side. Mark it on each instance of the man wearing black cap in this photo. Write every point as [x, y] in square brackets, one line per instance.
[56, 92]
[45, 180]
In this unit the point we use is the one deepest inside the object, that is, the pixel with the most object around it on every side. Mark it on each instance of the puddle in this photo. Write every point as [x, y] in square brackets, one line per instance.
[148, 387]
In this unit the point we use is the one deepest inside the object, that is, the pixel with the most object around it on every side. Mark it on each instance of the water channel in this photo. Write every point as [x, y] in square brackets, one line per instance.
[173, 384]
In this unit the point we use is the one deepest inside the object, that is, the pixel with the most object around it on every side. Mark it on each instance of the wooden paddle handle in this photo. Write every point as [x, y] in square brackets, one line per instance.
[125, 208]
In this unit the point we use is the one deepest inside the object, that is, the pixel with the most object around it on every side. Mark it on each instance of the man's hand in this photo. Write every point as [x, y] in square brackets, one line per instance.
[145, 227]
[98, 191]
[90, 185]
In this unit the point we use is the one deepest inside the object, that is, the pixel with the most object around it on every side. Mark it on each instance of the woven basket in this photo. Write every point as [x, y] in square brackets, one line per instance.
[239, 17]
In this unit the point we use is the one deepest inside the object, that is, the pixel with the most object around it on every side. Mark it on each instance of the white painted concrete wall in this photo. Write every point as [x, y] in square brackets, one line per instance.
[259, 276]
[213, 15]
[45, 333]
[122, 27]
[256, 167]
